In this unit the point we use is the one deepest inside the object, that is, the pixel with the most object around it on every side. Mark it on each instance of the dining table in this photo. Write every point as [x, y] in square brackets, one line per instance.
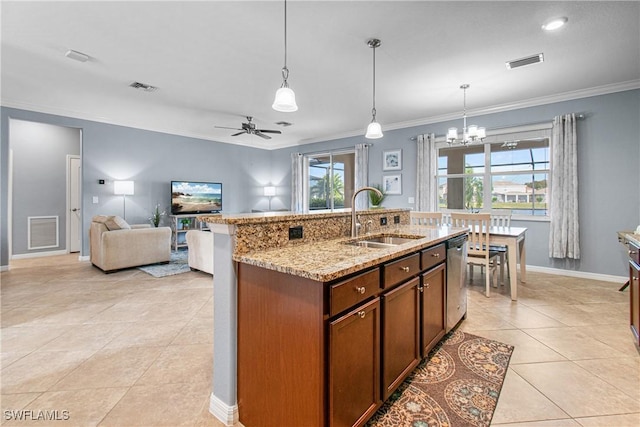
[513, 238]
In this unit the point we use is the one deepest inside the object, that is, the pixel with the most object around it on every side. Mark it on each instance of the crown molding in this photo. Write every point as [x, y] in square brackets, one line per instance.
[533, 102]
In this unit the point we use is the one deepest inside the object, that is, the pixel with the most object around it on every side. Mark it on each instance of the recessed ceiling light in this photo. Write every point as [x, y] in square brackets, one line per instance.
[555, 23]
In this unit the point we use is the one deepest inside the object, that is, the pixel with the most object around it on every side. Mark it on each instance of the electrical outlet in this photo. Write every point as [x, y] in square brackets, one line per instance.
[295, 232]
[412, 200]
[396, 219]
[383, 220]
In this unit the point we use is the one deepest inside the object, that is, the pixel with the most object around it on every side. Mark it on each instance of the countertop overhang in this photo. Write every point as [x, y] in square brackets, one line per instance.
[329, 260]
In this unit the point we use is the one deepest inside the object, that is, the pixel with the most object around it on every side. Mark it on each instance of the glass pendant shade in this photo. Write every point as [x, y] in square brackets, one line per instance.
[374, 131]
[285, 100]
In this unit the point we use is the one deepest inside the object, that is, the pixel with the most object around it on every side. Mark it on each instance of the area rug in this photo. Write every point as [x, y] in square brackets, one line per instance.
[177, 265]
[456, 386]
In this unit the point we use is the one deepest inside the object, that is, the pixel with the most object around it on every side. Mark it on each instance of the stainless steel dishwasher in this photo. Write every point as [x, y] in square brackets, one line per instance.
[456, 280]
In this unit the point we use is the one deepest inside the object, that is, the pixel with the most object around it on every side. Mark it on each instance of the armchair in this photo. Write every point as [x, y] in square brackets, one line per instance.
[116, 244]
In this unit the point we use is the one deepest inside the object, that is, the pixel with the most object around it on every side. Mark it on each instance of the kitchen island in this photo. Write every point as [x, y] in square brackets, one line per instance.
[326, 328]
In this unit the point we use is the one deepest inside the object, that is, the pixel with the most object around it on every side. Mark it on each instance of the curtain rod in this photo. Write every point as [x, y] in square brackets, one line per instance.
[579, 116]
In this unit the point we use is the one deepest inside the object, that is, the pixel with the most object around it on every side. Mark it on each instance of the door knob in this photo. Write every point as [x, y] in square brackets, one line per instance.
[75, 210]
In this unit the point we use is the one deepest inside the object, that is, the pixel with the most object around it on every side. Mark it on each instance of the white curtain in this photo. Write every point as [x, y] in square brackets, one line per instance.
[297, 182]
[426, 185]
[564, 239]
[362, 175]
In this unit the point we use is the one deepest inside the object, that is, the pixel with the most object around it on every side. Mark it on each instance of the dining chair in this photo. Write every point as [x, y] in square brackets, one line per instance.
[500, 218]
[425, 218]
[478, 250]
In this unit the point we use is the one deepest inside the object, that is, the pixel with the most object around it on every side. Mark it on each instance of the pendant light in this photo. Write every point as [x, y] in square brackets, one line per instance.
[469, 134]
[285, 100]
[374, 130]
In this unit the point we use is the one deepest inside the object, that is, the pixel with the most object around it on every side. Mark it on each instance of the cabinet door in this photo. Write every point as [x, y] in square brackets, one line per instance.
[354, 366]
[400, 335]
[433, 308]
[634, 295]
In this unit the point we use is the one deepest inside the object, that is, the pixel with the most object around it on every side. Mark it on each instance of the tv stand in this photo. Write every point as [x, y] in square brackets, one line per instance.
[180, 224]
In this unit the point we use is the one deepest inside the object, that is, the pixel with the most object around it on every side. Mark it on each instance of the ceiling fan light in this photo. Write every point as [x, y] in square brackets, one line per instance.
[285, 100]
[374, 130]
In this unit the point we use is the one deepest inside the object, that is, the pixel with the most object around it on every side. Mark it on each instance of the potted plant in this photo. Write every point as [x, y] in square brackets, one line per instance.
[156, 216]
[374, 198]
[186, 223]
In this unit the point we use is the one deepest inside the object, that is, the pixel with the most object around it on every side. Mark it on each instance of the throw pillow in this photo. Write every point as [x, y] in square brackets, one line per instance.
[117, 223]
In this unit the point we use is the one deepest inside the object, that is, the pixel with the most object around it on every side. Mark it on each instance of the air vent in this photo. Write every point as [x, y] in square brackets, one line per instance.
[144, 87]
[284, 124]
[534, 59]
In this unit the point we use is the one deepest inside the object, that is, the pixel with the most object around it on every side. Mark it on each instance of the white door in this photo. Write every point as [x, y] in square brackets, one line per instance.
[75, 223]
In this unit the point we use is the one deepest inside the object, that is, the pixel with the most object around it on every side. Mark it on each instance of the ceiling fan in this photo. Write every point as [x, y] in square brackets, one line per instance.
[250, 128]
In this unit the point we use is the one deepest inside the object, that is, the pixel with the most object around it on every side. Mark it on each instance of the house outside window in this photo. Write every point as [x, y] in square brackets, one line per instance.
[330, 180]
[498, 174]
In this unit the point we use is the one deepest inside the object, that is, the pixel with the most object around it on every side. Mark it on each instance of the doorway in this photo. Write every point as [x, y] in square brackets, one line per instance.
[45, 160]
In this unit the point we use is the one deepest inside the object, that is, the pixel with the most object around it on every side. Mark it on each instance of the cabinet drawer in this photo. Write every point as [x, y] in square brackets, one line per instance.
[400, 270]
[634, 253]
[354, 290]
[433, 256]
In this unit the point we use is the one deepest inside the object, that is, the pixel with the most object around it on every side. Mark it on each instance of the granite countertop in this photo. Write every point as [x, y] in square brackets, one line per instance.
[631, 236]
[266, 217]
[329, 260]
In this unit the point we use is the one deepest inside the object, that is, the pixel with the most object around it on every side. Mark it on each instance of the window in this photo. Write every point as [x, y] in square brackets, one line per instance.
[330, 180]
[499, 174]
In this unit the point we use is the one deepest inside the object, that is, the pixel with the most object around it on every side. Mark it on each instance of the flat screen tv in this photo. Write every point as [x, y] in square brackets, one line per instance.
[190, 197]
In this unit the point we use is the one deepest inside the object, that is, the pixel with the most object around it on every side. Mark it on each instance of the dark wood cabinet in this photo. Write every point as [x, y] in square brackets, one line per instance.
[354, 366]
[400, 335]
[432, 300]
[634, 290]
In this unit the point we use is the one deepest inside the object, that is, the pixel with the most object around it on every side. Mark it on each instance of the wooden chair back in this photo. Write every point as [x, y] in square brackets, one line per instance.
[500, 217]
[425, 218]
[478, 224]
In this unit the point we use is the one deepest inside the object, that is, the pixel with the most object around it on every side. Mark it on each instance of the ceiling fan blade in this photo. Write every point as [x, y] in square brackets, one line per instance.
[261, 135]
[269, 131]
[224, 127]
[239, 133]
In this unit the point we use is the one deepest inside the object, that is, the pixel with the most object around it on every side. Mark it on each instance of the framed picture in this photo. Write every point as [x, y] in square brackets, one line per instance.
[392, 184]
[392, 160]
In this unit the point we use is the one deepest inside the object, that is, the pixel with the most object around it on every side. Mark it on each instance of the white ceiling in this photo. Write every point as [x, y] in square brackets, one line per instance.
[216, 62]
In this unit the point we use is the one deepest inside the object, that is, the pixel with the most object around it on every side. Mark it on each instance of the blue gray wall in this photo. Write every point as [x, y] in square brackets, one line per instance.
[608, 163]
[151, 160]
[609, 155]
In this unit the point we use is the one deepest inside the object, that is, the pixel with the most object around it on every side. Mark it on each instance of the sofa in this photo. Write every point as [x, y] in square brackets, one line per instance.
[116, 245]
[200, 245]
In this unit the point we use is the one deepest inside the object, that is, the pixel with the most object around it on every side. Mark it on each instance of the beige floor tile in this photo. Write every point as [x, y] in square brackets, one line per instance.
[141, 334]
[40, 370]
[617, 336]
[197, 331]
[623, 373]
[627, 420]
[158, 405]
[206, 310]
[110, 368]
[92, 336]
[575, 391]
[181, 363]
[536, 407]
[526, 349]
[9, 358]
[14, 402]
[123, 312]
[573, 344]
[81, 408]
[565, 422]
[524, 317]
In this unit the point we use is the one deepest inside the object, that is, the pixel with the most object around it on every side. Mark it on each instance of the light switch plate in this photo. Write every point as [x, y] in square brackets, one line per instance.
[95, 200]
[412, 199]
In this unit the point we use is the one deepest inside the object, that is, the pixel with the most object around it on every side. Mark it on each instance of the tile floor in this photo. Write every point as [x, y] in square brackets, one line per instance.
[127, 349]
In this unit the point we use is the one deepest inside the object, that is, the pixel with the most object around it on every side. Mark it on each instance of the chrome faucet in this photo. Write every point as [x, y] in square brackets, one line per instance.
[354, 224]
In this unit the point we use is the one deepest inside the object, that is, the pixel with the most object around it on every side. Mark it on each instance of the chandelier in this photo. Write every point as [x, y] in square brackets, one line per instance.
[469, 134]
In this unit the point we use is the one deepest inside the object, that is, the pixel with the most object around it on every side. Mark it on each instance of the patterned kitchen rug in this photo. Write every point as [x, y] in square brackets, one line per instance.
[456, 386]
[178, 264]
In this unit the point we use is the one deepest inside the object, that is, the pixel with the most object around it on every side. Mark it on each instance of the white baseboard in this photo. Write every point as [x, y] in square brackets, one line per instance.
[84, 258]
[580, 274]
[228, 415]
[39, 254]
[4, 268]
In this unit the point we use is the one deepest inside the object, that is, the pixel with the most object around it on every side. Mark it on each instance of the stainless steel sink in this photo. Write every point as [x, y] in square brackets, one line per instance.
[385, 241]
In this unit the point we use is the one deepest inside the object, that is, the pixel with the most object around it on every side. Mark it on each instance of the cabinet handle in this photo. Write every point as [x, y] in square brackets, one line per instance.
[436, 255]
[427, 285]
[421, 289]
[361, 289]
[362, 314]
[632, 252]
[405, 269]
